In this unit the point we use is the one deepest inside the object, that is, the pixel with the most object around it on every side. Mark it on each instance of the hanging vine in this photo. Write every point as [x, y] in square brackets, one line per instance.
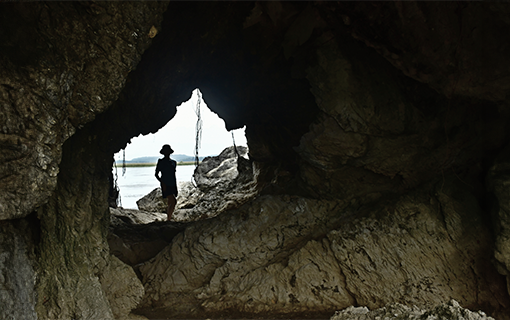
[198, 128]
[116, 188]
[123, 162]
[234, 143]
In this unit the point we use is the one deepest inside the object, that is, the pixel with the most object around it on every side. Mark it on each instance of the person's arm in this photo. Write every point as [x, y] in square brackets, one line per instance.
[157, 172]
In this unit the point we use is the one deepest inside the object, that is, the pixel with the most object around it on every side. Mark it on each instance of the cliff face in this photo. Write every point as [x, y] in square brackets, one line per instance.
[373, 129]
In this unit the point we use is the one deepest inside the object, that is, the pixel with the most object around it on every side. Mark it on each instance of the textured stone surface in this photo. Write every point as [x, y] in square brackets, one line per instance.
[122, 288]
[498, 179]
[72, 251]
[358, 104]
[223, 183]
[153, 201]
[374, 129]
[421, 243]
[132, 216]
[441, 46]
[446, 311]
[62, 66]
[17, 270]
[207, 260]
[137, 243]
[58, 72]
[213, 171]
[290, 255]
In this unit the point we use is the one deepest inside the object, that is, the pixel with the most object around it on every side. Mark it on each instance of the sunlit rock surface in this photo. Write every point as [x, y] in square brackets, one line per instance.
[223, 182]
[446, 311]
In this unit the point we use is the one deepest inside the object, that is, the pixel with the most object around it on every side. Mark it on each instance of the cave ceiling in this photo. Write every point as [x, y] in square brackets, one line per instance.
[106, 75]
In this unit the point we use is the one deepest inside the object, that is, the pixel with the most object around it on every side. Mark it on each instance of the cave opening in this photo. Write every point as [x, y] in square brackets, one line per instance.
[195, 132]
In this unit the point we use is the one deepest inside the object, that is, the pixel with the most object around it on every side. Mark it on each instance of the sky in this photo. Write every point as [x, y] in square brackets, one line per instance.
[180, 134]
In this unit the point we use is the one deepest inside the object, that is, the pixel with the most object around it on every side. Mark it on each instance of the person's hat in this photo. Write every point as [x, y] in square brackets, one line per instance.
[166, 150]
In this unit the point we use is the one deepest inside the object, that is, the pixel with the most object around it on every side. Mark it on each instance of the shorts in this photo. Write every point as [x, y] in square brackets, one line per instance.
[168, 190]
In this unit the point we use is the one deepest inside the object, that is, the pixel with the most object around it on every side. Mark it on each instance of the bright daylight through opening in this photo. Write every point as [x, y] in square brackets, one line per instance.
[180, 133]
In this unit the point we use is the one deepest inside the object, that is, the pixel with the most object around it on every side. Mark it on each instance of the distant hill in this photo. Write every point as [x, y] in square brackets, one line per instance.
[176, 157]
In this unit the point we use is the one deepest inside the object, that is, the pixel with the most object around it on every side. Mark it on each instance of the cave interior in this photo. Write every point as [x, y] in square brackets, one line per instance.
[359, 112]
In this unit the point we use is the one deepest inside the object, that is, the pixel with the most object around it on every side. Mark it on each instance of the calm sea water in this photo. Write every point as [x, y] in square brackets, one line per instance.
[139, 181]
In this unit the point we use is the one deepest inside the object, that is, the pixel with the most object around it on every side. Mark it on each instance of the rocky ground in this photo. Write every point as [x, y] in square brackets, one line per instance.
[445, 311]
[222, 183]
[182, 271]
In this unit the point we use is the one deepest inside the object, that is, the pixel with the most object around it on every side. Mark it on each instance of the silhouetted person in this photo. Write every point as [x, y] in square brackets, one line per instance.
[168, 182]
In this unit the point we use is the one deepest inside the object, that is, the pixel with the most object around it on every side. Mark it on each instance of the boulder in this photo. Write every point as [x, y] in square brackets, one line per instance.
[220, 169]
[128, 245]
[152, 202]
[187, 197]
[445, 311]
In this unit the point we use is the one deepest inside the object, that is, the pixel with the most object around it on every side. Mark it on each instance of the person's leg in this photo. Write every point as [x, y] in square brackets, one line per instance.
[171, 206]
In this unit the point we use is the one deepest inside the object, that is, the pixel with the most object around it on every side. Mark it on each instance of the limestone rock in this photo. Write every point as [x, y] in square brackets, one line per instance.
[188, 196]
[445, 311]
[132, 216]
[135, 243]
[291, 255]
[152, 202]
[223, 182]
[122, 288]
[17, 271]
[73, 71]
[370, 129]
[219, 169]
[352, 111]
[498, 179]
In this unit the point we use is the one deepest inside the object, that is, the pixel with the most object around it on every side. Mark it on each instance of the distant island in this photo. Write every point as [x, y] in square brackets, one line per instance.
[181, 159]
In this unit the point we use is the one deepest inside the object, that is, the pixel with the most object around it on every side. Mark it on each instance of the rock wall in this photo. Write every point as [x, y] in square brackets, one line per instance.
[18, 269]
[498, 178]
[371, 128]
[62, 65]
[58, 72]
[296, 257]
